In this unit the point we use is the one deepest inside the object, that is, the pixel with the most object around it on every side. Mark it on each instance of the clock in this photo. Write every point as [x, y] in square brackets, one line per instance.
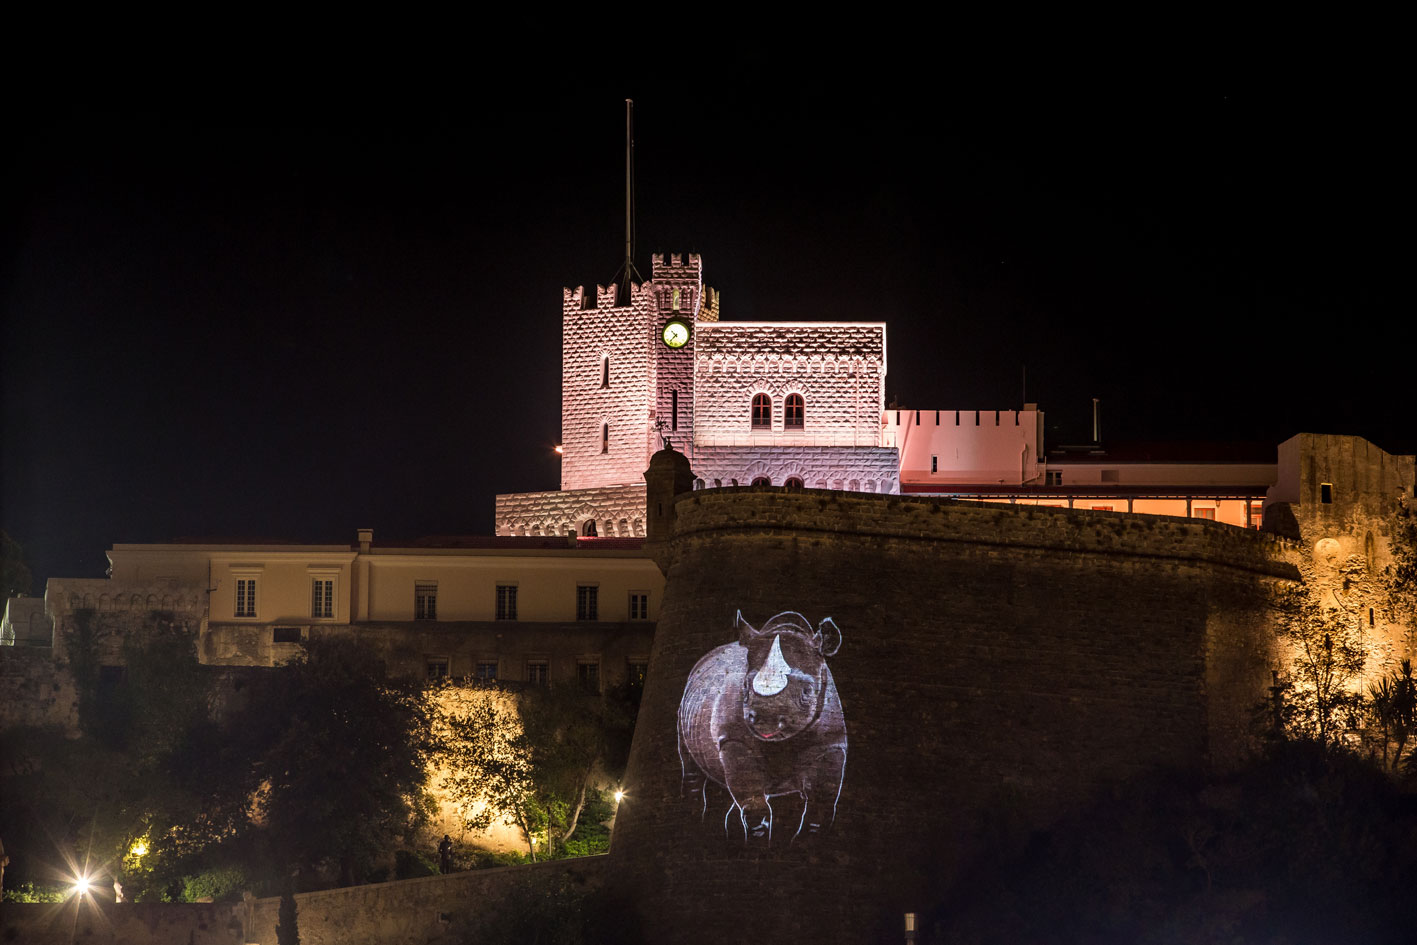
[676, 333]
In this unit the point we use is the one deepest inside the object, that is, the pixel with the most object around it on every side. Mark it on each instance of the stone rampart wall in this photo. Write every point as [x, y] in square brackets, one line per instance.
[452, 908]
[998, 664]
[107, 923]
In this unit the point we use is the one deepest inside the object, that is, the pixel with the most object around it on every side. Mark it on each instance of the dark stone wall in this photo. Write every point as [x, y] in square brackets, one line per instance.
[996, 661]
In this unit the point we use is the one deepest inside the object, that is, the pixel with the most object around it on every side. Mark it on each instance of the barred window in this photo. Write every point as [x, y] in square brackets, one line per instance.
[246, 597]
[587, 601]
[322, 597]
[506, 602]
[588, 675]
[537, 672]
[425, 600]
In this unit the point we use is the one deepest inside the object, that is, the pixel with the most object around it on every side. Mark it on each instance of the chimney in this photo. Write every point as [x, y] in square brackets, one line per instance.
[366, 538]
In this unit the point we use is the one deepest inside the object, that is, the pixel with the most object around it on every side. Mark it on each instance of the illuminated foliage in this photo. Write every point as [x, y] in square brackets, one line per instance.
[489, 759]
[1400, 576]
[532, 759]
[1327, 654]
[1393, 707]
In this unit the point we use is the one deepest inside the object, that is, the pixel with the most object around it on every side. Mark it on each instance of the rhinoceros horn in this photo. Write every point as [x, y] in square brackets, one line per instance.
[772, 678]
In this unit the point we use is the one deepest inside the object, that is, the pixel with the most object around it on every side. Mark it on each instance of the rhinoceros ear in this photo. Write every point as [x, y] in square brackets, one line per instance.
[744, 628]
[828, 637]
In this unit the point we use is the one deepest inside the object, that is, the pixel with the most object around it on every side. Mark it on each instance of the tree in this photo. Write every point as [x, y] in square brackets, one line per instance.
[1327, 655]
[15, 577]
[530, 759]
[1394, 708]
[344, 768]
[1400, 575]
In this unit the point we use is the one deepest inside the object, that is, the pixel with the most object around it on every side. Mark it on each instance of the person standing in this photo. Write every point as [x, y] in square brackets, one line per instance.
[445, 854]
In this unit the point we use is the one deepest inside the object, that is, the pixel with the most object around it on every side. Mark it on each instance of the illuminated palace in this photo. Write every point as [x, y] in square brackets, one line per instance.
[802, 404]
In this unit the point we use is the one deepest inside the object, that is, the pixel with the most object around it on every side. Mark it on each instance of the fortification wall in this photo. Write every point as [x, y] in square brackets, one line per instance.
[853, 468]
[996, 663]
[100, 922]
[453, 908]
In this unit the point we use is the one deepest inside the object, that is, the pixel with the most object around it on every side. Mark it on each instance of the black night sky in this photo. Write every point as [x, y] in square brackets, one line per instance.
[295, 307]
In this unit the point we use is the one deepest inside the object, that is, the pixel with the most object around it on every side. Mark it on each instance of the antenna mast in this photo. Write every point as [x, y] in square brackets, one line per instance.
[627, 273]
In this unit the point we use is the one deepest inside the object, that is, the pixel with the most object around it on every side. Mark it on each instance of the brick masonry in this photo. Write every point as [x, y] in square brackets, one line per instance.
[618, 511]
[995, 660]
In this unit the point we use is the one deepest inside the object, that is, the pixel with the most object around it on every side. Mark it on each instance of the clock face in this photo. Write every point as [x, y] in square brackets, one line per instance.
[676, 333]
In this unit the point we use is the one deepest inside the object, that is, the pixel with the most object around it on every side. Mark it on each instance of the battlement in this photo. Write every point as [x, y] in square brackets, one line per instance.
[677, 270]
[579, 300]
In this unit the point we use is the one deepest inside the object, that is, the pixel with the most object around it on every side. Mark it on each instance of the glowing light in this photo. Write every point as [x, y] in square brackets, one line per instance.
[619, 796]
[139, 848]
[558, 449]
[81, 885]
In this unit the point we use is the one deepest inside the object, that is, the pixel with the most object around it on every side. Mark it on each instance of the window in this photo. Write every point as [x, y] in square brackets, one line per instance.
[1102, 508]
[588, 675]
[639, 605]
[536, 672]
[605, 371]
[792, 411]
[762, 481]
[588, 529]
[285, 634]
[1203, 513]
[425, 600]
[587, 599]
[793, 482]
[674, 410]
[322, 597]
[1256, 514]
[506, 602]
[638, 669]
[245, 597]
[605, 437]
[1325, 492]
[485, 671]
[437, 667]
[1055, 477]
[934, 464]
[762, 412]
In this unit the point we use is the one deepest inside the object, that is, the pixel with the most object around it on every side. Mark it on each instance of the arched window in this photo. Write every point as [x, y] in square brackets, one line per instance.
[762, 481]
[762, 412]
[793, 482]
[588, 529]
[605, 437]
[792, 410]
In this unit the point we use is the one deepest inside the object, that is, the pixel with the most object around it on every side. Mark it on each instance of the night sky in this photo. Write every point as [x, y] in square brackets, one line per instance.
[292, 309]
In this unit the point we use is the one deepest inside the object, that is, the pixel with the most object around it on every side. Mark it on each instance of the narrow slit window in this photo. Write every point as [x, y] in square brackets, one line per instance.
[674, 410]
[605, 371]
[1326, 492]
[605, 437]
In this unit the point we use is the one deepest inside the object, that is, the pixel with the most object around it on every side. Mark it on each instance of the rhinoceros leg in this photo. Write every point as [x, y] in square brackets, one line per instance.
[692, 780]
[744, 779]
[821, 789]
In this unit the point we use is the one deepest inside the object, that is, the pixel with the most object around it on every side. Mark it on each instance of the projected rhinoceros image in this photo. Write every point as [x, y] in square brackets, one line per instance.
[761, 718]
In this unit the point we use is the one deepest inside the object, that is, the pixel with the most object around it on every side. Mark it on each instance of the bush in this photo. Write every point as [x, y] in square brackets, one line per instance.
[29, 892]
[223, 884]
[409, 864]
